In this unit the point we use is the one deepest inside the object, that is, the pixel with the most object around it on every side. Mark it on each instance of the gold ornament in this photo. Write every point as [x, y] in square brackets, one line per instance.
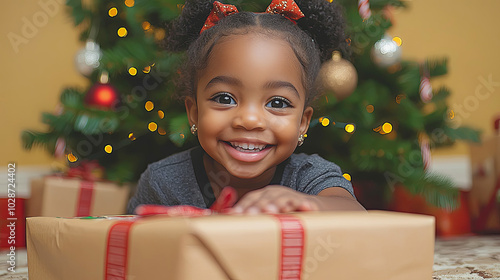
[339, 76]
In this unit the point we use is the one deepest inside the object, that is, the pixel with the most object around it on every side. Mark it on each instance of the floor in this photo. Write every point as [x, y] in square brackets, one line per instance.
[464, 258]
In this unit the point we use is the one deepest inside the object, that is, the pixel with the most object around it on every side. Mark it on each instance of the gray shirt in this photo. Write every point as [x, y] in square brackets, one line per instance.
[181, 179]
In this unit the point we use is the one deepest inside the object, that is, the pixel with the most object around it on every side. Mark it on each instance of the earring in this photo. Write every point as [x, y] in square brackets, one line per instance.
[194, 129]
[301, 139]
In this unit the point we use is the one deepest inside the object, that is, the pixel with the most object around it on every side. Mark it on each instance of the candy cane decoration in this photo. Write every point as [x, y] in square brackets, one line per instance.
[364, 9]
[425, 150]
[425, 89]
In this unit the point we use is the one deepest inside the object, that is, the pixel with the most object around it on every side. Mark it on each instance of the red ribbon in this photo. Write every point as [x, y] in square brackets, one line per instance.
[292, 247]
[286, 8]
[291, 228]
[85, 198]
[87, 170]
[117, 251]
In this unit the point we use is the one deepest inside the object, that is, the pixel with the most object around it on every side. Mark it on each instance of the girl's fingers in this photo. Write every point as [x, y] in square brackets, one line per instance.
[273, 200]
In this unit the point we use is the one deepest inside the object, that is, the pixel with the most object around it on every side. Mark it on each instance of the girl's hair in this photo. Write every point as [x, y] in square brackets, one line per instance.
[313, 38]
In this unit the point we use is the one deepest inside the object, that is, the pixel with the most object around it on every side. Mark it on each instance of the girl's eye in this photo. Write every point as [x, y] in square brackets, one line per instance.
[279, 103]
[224, 98]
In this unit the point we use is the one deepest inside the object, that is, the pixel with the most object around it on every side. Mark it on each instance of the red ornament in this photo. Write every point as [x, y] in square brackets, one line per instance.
[102, 95]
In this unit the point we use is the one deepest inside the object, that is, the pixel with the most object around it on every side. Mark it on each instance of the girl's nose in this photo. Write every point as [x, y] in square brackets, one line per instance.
[249, 117]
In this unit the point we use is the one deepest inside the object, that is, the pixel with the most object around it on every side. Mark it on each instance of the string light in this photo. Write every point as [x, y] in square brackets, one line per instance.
[370, 108]
[387, 128]
[113, 12]
[161, 114]
[72, 157]
[149, 106]
[146, 69]
[131, 136]
[451, 114]
[159, 34]
[122, 32]
[146, 25]
[324, 121]
[380, 153]
[397, 40]
[132, 71]
[129, 3]
[161, 131]
[152, 126]
[349, 128]
[108, 149]
[399, 98]
[347, 176]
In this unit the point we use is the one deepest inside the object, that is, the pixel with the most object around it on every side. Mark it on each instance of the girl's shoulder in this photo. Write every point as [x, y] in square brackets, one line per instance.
[180, 158]
[313, 160]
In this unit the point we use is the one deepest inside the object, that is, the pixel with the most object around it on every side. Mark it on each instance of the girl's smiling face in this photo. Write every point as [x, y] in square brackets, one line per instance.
[250, 104]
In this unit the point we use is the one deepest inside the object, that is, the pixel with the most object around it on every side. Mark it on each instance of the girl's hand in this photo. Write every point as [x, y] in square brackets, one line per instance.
[275, 199]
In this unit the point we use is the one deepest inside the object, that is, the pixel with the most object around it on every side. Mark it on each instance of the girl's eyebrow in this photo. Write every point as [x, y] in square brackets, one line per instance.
[269, 85]
[224, 80]
[281, 84]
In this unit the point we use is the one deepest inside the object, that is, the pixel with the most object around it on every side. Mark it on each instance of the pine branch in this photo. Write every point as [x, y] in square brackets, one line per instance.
[32, 139]
[437, 67]
[440, 191]
[137, 53]
[59, 123]
[463, 133]
[441, 94]
[78, 12]
[72, 98]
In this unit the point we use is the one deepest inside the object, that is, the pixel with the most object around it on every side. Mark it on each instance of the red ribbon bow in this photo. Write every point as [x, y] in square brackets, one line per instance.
[87, 170]
[226, 200]
[286, 8]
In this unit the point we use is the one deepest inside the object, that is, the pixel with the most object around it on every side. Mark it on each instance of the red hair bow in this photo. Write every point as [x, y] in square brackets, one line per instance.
[286, 8]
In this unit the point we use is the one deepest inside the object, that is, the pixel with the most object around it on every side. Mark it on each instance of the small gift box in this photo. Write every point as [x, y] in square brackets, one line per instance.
[72, 197]
[373, 245]
[484, 195]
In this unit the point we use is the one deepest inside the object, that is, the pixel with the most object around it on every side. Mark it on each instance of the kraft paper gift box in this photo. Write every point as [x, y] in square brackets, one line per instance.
[373, 245]
[55, 196]
[483, 198]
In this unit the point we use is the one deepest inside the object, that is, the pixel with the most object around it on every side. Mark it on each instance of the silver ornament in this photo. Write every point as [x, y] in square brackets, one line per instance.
[386, 52]
[87, 59]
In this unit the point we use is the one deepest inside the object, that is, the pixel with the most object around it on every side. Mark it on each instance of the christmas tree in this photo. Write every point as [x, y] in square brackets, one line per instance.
[378, 117]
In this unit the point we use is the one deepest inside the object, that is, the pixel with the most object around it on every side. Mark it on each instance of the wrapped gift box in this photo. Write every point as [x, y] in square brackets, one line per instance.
[484, 195]
[69, 197]
[322, 245]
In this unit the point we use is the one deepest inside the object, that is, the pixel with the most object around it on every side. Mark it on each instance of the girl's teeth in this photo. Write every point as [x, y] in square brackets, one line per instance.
[248, 147]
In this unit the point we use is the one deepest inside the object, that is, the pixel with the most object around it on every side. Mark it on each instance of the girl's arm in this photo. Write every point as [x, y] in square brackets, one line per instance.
[280, 199]
[336, 199]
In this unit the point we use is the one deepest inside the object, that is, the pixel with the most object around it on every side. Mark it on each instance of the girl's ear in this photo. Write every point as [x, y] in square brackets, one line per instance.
[191, 110]
[306, 119]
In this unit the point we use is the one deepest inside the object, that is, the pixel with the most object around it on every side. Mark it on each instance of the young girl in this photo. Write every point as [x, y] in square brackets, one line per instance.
[249, 81]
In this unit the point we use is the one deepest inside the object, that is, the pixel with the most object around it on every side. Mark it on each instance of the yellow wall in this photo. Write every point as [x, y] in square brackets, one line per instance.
[33, 76]
[33, 72]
